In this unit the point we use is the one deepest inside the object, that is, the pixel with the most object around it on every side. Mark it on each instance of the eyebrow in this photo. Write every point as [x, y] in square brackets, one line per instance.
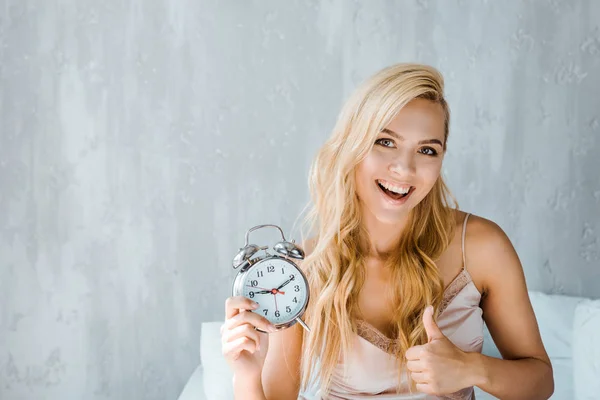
[399, 137]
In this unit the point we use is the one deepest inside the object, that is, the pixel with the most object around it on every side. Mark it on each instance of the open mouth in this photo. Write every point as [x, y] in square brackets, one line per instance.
[394, 195]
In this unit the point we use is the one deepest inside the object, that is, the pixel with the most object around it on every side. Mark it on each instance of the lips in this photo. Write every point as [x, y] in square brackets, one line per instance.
[392, 197]
[401, 187]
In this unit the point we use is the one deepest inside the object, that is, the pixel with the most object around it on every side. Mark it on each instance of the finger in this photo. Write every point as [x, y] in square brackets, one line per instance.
[245, 330]
[247, 317]
[415, 366]
[419, 377]
[431, 328]
[233, 349]
[234, 304]
[426, 388]
[414, 353]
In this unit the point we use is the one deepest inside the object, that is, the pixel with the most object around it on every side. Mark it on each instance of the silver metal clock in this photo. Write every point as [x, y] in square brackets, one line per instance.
[274, 281]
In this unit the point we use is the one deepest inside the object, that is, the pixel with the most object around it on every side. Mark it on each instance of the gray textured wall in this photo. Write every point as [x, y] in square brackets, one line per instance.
[140, 139]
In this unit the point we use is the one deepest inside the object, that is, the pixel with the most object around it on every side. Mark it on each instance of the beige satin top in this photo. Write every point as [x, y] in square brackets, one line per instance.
[372, 371]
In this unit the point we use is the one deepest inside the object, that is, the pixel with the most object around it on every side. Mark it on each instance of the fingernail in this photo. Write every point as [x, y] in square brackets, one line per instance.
[254, 305]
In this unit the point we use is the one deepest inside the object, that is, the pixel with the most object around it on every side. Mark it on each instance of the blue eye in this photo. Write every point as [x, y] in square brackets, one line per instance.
[383, 141]
[389, 143]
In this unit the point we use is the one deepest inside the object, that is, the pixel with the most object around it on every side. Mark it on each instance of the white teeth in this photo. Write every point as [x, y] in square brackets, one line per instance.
[395, 189]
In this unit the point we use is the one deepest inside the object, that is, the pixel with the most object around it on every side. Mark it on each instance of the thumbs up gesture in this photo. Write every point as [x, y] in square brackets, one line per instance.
[438, 367]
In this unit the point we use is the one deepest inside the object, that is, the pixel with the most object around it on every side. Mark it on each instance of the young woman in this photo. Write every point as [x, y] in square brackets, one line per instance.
[402, 281]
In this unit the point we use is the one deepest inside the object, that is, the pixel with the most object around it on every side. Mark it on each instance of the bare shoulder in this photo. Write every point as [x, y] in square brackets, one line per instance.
[489, 252]
[486, 233]
[477, 224]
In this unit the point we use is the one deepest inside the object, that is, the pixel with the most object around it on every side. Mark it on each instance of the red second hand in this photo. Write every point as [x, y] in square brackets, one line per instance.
[258, 287]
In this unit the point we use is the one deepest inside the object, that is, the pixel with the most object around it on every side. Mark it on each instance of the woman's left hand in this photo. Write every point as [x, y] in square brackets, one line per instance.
[438, 367]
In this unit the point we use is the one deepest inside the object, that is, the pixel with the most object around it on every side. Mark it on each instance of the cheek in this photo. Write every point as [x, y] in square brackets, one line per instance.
[430, 171]
[375, 163]
[365, 173]
[368, 168]
[358, 178]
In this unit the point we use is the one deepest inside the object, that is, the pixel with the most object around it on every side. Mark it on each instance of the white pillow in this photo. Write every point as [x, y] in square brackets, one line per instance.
[564, 387]
[586, 350]
[218, 378]
[554, 314]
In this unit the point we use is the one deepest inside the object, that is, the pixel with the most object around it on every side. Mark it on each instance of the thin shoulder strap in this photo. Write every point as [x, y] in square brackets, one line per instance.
[464, 231]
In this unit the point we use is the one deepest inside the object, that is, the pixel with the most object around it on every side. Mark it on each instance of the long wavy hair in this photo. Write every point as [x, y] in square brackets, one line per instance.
[335, 268]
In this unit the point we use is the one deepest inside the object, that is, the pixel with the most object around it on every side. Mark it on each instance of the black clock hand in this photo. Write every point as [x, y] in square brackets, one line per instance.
[263, 292]
[285, 283]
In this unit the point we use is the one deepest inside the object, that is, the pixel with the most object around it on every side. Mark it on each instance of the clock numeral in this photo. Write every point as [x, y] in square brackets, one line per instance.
[251, 295]
[259, 274]
[292, 277]
[277, 314]
[283, 270]
[288, 309]
[266, 310]
[296, 288]
[254, 283]
[295, 300]
[270, 268]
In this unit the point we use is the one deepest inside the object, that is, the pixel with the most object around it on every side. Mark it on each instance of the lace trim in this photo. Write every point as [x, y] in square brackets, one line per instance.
[375, 337]
[379, 340]
[454, 288]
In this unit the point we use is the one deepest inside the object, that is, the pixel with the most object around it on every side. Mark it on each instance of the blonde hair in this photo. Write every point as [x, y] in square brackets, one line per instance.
[334, 269]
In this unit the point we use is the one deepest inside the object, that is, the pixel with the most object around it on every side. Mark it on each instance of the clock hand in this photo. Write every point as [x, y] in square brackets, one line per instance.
[285, 283]
[273, 291]
[266, 291]
[258, 287]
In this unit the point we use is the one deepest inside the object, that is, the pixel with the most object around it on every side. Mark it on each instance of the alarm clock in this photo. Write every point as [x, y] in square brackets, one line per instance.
[274, 281]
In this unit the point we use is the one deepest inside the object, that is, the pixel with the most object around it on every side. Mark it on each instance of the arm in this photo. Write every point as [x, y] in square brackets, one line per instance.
[281, 374]
[525, 371]
[281, 371]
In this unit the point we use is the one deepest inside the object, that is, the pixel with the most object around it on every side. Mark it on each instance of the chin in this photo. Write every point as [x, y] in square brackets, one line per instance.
[392, 217]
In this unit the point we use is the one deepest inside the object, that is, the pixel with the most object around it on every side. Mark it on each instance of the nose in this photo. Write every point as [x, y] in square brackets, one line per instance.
[403, 166]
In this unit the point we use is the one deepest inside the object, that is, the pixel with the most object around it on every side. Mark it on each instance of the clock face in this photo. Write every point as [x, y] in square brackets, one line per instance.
[278, 287]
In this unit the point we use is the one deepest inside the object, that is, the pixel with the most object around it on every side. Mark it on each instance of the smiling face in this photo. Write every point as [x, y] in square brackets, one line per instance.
[404, 163]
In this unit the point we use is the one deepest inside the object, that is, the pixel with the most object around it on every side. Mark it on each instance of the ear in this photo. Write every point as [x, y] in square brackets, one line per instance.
[433, 331]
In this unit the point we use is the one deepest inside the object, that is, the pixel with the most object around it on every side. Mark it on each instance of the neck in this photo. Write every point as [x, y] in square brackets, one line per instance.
[383, 236]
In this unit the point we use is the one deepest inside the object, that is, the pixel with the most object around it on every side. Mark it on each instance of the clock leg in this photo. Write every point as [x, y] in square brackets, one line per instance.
[303, 324]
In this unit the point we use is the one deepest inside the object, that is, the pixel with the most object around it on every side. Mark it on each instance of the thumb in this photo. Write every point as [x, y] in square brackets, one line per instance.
[431, 328]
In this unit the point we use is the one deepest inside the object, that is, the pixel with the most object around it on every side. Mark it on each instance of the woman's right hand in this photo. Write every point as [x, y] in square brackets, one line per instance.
[244, 348]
